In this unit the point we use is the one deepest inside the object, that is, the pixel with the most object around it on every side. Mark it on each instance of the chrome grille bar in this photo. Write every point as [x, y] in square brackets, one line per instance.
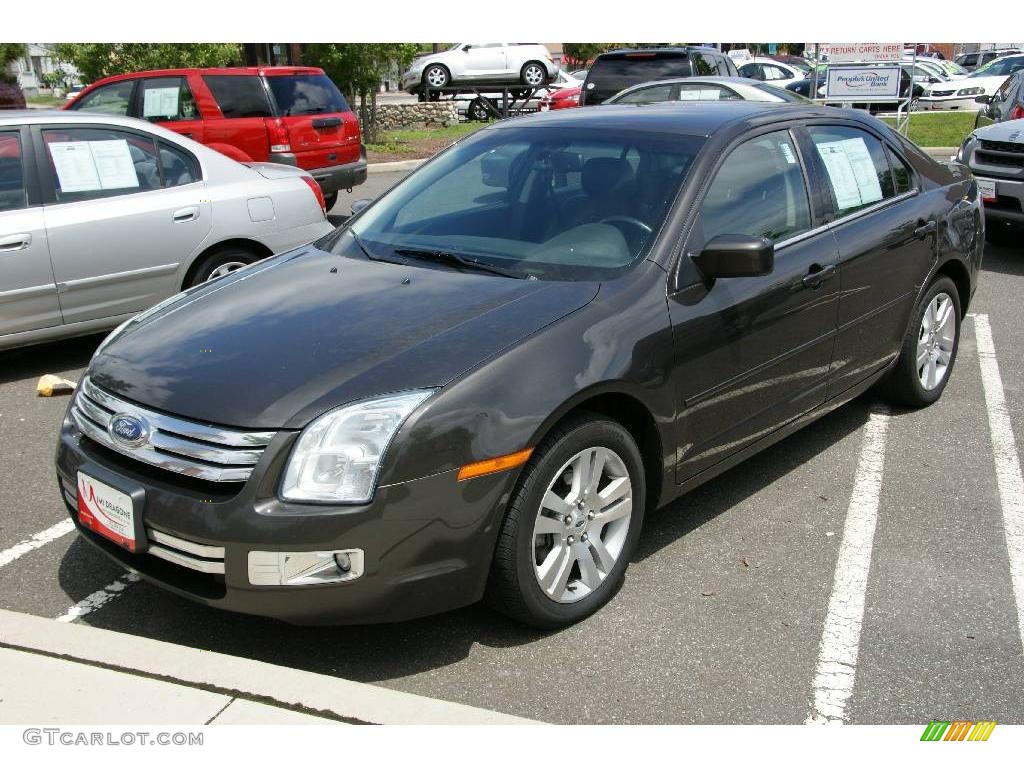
[188, 554]
[194, 449]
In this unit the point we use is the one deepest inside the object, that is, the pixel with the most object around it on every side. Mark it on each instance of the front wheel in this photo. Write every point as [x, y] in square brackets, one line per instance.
[533, 74]
[436, 76]
[929, 349]
[571, 526]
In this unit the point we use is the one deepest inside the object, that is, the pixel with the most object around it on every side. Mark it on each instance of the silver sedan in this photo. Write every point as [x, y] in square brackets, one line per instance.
[102, 216]
[704, 89]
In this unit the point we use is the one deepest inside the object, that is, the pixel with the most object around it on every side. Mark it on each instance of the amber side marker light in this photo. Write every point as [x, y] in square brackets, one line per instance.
[497, 464]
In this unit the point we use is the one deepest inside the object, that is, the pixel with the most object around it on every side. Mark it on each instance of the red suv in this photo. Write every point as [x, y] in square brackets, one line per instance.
[291, 115]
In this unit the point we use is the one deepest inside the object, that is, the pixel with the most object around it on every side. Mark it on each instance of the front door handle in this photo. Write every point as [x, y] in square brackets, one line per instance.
[15, 242]
[924, 228]
[817, 275]
[186, 214]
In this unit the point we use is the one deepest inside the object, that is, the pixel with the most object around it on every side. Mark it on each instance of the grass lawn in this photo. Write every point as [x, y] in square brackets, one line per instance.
[45, 100]
[416, 143]
[938, 129]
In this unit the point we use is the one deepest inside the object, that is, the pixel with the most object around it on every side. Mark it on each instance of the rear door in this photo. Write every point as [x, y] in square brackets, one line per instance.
[244, 106]
[28, 293]
[169, 102]
[122, 212]
[322, 130]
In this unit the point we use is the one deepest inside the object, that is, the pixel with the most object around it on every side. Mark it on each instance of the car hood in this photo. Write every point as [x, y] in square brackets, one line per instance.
[278, 343]
[1010, 130]
[990, 83]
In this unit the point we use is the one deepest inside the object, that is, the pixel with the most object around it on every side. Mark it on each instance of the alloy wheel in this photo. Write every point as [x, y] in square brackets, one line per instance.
[226, 268]
[533, 75]
[935, 340]
[436, 77]
[582, 524]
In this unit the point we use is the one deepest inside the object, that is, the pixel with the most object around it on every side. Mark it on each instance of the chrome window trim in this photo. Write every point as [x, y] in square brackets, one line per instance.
[848, 217]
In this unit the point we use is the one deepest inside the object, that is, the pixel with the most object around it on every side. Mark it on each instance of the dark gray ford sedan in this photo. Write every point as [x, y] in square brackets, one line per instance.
[480, 385]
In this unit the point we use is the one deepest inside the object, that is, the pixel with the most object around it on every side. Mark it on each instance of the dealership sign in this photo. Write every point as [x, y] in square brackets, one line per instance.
[845, 53]
[855, 83]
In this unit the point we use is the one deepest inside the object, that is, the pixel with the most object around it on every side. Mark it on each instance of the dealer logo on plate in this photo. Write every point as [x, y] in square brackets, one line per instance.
[128, 430]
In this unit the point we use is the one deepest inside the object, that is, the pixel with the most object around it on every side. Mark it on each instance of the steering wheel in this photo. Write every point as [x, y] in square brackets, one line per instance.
[628, 220]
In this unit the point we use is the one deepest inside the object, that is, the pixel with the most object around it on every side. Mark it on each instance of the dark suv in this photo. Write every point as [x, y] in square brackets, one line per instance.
[614, 71]
[291, 115]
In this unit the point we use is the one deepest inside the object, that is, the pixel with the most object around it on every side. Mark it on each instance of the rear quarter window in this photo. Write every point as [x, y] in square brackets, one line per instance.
[239, 95]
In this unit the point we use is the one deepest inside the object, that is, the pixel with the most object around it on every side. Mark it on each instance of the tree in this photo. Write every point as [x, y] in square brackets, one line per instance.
[358, 68]
[578, 55]
[96, 60]
[10, 52]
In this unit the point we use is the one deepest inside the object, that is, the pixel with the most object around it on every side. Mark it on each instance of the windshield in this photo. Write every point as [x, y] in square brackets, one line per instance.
[546, 202]
[306, 95]
[1006, 66]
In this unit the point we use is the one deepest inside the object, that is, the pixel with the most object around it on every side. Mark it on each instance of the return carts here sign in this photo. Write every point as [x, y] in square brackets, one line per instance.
[855, 83]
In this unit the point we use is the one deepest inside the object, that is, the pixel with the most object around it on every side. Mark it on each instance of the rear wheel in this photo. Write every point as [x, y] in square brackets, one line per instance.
[478, 110]
[533, 74]
[929, 349]
[572, 525]
[221, 262]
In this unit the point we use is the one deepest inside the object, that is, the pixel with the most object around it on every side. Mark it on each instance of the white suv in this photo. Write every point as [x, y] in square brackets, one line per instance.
[527, 64]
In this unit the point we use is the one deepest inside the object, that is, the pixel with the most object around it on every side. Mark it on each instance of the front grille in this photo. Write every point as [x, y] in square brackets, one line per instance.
[190, 448]
[1003, 146]
[941, 93]
[1005, 153]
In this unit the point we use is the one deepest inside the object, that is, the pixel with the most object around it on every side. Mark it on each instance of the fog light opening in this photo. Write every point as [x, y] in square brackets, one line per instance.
[296, 569]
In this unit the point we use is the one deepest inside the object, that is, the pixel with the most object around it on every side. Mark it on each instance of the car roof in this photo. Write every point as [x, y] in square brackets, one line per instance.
[664, 49]
[693, 118]
[29, 116]
[181, 71]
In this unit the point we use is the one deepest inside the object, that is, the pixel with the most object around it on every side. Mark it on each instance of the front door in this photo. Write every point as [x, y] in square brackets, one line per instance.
[486, 60]
[121, 217]
[28, 295]
[753, 353]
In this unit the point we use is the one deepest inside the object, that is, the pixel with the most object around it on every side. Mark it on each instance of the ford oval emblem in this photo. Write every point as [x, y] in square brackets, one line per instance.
[128, 430]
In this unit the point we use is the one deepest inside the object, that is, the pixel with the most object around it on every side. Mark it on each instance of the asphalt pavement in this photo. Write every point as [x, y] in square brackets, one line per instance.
[721, 616]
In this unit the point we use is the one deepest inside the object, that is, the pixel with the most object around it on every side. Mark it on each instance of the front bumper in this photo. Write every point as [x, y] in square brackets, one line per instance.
[1009, 204]
[964, 103]
[428, 542]
[332, 178]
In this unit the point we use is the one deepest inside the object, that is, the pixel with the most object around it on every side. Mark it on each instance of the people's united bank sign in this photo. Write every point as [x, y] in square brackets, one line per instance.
[855, 83]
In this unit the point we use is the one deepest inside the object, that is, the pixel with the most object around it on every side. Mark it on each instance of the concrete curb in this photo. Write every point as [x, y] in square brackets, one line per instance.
[258, 681]
[942, 154]
[399, 165]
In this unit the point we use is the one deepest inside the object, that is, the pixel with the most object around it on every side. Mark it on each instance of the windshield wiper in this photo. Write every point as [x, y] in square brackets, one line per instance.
[457, 260]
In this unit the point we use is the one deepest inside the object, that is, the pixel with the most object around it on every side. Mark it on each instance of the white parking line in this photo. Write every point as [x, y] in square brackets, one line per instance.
[1004, 449]
[840, 638]
[40, 539]
[99, 598]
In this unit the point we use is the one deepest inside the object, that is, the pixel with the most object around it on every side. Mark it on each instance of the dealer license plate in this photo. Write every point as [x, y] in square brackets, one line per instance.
[987, 188]
[107, 511]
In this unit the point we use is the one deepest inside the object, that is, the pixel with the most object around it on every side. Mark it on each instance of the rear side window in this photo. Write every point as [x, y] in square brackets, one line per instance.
[113, 99]
[306, 95]
[610, 75]
[239, 95]
[12, 174]
[706, 92]
[168, 98]
[704, 64]
[726, 68]
[855, 165]
[753, 71]
[758, 190]
[655, 93]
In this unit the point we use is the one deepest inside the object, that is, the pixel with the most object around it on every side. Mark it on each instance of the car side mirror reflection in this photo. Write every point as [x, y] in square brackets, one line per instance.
[360, 204]
[736, 256]
[984, 99]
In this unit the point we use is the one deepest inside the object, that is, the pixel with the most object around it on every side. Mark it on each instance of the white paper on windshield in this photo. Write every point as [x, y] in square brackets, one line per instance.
[851, 172]
[700, 94]
[75, 168]
[161, 102]
[788, 152]
[87, 166]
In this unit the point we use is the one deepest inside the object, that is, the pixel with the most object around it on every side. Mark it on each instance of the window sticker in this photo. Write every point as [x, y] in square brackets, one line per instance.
[88, 166]
[703, 94]
[851, 172]
[161, 102]
[788, 152]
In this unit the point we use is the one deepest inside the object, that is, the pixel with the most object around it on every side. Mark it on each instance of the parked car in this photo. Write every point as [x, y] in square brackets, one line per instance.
[771, 71]
[1007, 103]
[963, 94]
[995, 154]
[973, 61]
[11, 96]
[705, 89]
[483, 382]
[794, 61]
[290, 115]
[564, 98]
[527, 64]
[938, 71]
[614, 71]
[103, 216]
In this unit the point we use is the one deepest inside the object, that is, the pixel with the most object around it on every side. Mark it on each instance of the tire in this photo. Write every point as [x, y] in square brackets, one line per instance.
[533, 74]
[566, 546]
[478, 110]
[436, 76]
[330, 200]
[903, 385]
[220, 262]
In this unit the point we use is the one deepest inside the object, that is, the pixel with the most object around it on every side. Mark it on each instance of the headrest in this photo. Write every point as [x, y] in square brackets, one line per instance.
[602, 175]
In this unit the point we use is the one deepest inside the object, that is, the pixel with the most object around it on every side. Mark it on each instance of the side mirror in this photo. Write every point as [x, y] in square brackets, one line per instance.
[360, 204]
[984, 99]
[466, 47]
[736, 256]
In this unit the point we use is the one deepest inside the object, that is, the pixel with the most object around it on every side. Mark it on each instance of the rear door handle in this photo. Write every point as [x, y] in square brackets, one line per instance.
[15, 242]
[186, 214]
[817, 275]
[924, 228]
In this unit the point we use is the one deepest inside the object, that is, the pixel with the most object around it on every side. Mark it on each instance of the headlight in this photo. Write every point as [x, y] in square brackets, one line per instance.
[970, 91]
[338, 455]
[962, 152]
